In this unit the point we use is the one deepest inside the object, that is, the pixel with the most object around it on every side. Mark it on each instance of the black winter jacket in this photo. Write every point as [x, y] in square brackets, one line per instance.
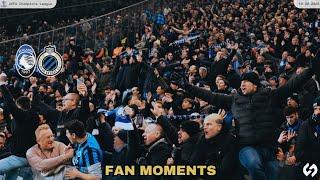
[25, 123]
[256, 115]
[219, 151]
[187, 150]
[308, 144]
[158, 153]
[58, 118]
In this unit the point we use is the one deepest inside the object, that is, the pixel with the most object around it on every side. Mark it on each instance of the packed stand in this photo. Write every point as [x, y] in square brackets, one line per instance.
[234, 85]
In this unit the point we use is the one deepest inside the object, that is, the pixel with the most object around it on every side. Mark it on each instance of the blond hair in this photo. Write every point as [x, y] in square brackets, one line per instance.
[41, 128]
[214, 117]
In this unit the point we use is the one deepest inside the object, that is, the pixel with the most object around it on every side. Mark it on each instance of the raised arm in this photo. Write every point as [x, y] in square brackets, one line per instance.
[8, 100]
[293, 85]
[84, 109]
[45, 108]
[177, 30]
[220, 100]
[107, 134]
[229, 58]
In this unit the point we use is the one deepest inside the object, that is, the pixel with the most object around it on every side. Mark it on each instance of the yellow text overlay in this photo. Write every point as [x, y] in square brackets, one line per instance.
[180, 170]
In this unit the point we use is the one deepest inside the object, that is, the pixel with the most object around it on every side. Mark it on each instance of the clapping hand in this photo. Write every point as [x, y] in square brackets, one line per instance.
[82, 89]
[283, 137]
[149, 96]
[115, 130]
[233, 46]
[3, 79]
[280, 155]
[291, 134]
[222, 113]
[291, 160]
[156, 111]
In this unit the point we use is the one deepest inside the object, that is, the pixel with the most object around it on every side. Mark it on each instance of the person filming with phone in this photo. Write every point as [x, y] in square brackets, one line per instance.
[287, 142]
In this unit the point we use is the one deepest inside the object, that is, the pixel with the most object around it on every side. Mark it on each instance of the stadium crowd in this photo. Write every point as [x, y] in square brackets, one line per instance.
[234, 84]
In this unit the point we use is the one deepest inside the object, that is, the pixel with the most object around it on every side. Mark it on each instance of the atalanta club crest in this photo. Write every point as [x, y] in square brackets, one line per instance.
[26, 61]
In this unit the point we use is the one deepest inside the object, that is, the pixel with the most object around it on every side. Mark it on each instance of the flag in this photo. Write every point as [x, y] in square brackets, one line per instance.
[121, 120]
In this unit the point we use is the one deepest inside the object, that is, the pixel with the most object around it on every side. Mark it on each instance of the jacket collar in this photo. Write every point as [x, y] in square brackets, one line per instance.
[162, 140]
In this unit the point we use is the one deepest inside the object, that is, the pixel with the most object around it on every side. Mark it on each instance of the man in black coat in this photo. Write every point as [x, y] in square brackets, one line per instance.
[188, 137]
[158, 149]
[255, 111]
[308, 143]
[125, 150]
[158, 139]
[70, 111]
[25, 122]
[216, 147]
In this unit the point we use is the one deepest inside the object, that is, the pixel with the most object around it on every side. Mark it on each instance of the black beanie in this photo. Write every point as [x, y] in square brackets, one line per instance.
[316, 102]
[190, 127]
[294, 97]
[252, 77]
[123, 135]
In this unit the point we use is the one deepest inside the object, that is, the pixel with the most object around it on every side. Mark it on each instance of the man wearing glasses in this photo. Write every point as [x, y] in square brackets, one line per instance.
[70, 110]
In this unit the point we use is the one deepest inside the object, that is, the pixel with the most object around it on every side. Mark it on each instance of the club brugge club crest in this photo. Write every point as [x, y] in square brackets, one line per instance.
[50, 62]
[26, 61]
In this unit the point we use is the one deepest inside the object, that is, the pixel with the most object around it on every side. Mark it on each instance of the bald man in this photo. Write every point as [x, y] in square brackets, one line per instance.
[216, 147]
[70, 111]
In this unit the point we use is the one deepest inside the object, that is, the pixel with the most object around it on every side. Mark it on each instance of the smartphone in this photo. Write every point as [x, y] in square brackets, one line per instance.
[140, 120]
[80, 81]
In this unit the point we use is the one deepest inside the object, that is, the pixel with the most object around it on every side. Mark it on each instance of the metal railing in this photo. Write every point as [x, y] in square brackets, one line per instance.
[103, 31]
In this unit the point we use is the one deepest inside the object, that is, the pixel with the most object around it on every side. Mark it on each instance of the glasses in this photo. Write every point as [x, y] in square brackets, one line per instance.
[66, 99]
